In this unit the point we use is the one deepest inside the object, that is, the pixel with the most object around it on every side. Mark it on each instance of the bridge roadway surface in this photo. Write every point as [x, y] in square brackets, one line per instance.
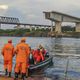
[25, 24]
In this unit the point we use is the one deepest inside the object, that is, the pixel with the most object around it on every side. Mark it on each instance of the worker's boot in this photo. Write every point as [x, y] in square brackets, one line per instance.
[9, 74]
[6, 72]
[16, 76]
[23, 76]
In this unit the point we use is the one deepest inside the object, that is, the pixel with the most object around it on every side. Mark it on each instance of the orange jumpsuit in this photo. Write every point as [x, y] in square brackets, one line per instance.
[22, 54]
[7, 53]
[38, 56]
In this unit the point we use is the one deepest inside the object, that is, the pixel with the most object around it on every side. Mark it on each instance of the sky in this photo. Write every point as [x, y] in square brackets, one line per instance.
[31, 11]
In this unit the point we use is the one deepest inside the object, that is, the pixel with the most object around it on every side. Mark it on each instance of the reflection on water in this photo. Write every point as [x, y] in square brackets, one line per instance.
[65, 45]
[57, 45]
[53, 45]
[68, 46]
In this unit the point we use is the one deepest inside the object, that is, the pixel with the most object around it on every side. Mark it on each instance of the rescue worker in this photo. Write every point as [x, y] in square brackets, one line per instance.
[40, 46]
[42, 50]
[8, 53]
[38, 56]
[22, 56]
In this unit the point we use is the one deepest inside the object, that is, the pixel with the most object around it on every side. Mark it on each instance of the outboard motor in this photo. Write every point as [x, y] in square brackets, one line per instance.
[47, 54]
[31, 59]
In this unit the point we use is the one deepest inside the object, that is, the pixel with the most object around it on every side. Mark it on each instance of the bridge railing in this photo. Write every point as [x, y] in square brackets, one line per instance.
[9, 20]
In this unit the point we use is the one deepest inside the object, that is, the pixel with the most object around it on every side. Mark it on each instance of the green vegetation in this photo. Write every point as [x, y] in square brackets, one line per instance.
[24, 32]
[67, 31]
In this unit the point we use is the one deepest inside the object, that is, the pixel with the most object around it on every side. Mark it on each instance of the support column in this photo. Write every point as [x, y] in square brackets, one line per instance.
[0, 26]
[18, 26]
[30, 28]
[58, 27]
[51, 26]
[24, 26]
[77, 27]
[35, 28]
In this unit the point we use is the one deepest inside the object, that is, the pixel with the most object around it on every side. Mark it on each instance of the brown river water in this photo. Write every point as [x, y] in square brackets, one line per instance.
[54, 46]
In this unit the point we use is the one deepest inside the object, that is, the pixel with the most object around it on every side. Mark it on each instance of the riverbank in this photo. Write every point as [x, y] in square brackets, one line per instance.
[24, 32]
[65, 34]
[37, 33]
[29, 78]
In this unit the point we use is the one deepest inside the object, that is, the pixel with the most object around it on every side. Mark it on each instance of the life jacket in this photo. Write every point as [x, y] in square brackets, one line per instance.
[38, 55]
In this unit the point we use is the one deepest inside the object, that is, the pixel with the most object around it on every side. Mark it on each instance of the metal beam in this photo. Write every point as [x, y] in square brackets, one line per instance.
[15, 21]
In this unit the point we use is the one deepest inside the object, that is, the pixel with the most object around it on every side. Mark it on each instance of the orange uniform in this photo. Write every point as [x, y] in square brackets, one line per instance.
[7, 53]
[38, 56]
[22, 54]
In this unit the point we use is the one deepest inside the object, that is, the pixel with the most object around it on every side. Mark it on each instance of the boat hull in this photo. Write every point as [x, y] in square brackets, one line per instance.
[42, 64]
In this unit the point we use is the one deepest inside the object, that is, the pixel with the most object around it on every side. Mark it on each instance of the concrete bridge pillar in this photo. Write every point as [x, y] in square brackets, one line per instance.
[51, 26]
[24, 26]
[35, 28]
[0, 26]
[58, 27]
[18, 26]
[30, 28]
[77, 27]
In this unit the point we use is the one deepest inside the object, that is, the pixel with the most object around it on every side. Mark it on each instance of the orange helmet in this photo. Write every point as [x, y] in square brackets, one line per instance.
[23, 39]
[9, 41]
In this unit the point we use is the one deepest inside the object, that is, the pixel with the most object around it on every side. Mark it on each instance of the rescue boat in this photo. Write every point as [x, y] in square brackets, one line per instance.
[46, 62]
